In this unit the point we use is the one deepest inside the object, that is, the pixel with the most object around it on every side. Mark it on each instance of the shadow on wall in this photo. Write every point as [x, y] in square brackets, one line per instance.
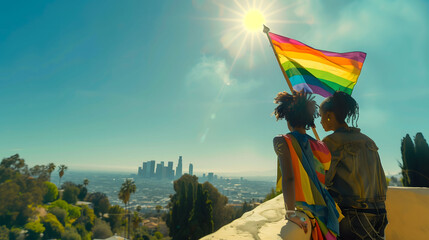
[406, 212]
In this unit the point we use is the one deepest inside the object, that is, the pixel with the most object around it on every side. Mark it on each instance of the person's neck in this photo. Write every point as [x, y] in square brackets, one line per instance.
[341, 125]
[300, 130]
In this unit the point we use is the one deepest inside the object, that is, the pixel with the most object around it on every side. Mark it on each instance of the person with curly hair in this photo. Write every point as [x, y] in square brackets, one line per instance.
[356, 178]
[303, 162]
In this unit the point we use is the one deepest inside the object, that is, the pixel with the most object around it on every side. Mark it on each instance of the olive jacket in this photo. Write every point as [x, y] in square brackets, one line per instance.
[355, 178]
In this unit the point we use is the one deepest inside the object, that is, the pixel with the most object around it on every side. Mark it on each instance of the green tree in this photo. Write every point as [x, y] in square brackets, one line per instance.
[127, 188]
[54, 228]
[115, 216]
[408, 156]
[181, 205]
[85, 182]
[101, 230]
[138, 208]
[158, 208]
[422, 159]
[19, 191]
[73, 212]
[81, 230]
[86, 218]
[4, 233]
[60, 214]
[415, 161]
[51, 192]
[158, 235]
[221, 214]
[273, 193]
[201, 219]
[100, 201]
[70, 234]
[70, 194]
[83, 192]
[40, 172]
[34, 230]
[61, 169]
[51, 168]
[136, 220]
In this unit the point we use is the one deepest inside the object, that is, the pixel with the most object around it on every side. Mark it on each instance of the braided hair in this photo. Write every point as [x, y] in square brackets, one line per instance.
[299, 109]
[344, 107]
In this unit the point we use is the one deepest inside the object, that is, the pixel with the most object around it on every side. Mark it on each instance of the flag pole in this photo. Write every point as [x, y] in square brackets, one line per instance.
[266, 31]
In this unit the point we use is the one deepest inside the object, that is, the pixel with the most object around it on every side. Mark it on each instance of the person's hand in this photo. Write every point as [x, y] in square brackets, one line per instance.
[299, 222]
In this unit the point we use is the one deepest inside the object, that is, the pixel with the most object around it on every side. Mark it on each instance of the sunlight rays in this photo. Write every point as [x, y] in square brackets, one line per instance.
[243, 39]
[248, 18]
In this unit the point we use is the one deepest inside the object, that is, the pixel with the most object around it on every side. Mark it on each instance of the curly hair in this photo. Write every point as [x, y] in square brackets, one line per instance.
[344, 107]
[299, 109]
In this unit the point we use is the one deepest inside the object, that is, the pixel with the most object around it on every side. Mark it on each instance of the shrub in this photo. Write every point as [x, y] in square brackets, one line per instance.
[54, 228]
[59, 203]
[4, 233]
[70, 194]
[73, 211]
[70, 234]
[158, 235]
[60, 213]
[51, 192]
[34, 229]
[101, 229]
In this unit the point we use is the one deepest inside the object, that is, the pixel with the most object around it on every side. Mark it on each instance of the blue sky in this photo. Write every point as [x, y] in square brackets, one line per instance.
[105, 85]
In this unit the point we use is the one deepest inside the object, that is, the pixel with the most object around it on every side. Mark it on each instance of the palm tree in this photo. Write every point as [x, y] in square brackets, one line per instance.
[61, 169]
[51, 168]
[158, 208]
[127, 188]
[136, 220]
[85, 182]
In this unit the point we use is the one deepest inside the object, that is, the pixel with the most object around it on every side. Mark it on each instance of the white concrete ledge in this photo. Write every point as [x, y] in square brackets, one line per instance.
[407, 212]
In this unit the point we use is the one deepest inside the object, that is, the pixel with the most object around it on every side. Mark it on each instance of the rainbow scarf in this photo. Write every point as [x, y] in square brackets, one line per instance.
[317, 71]
[310, 158]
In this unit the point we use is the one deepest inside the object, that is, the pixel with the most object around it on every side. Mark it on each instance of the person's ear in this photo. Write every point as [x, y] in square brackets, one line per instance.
[330, 116]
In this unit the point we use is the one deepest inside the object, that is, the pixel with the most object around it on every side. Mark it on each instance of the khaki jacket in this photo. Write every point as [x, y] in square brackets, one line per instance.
[355, 178]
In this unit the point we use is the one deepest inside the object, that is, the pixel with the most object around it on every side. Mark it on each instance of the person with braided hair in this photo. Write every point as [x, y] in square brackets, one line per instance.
[302, 162]
[355, 179]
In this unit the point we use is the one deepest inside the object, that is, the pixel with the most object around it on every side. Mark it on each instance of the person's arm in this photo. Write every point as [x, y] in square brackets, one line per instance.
[288, 180]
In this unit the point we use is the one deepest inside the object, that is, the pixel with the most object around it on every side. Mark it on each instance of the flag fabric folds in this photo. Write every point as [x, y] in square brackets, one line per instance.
[310, 159]
[317, 71]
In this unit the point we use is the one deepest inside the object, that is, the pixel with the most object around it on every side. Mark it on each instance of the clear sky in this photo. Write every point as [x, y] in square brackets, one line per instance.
[105, 85]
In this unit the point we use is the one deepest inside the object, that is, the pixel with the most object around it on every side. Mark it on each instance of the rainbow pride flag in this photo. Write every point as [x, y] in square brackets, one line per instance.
[317, 71]
[310, 159]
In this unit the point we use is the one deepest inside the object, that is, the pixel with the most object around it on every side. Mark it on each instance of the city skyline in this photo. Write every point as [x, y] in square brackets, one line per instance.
[104, 86]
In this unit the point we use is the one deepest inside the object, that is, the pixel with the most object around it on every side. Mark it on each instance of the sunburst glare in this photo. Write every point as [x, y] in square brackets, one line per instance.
[253, 20]
[247, 19]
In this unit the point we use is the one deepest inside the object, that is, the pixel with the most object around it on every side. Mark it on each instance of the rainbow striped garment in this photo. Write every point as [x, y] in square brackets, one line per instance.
[310, 158]
[317, 71]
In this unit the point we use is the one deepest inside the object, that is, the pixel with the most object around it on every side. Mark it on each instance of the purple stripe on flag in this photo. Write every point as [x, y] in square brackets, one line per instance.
[312, 89]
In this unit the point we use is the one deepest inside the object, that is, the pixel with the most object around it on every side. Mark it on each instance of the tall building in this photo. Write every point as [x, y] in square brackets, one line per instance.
[151, 169]
[145, 170]
[191, 169]
[179, 168]
[170, 171]
[210, 176]
[159, 170]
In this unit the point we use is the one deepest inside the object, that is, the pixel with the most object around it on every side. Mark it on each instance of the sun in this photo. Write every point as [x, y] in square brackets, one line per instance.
[246, 19]
[253, 20]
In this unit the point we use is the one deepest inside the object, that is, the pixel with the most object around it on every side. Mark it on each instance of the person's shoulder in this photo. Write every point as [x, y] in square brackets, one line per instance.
[279, 138]
[367, 139]
[330, 138]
